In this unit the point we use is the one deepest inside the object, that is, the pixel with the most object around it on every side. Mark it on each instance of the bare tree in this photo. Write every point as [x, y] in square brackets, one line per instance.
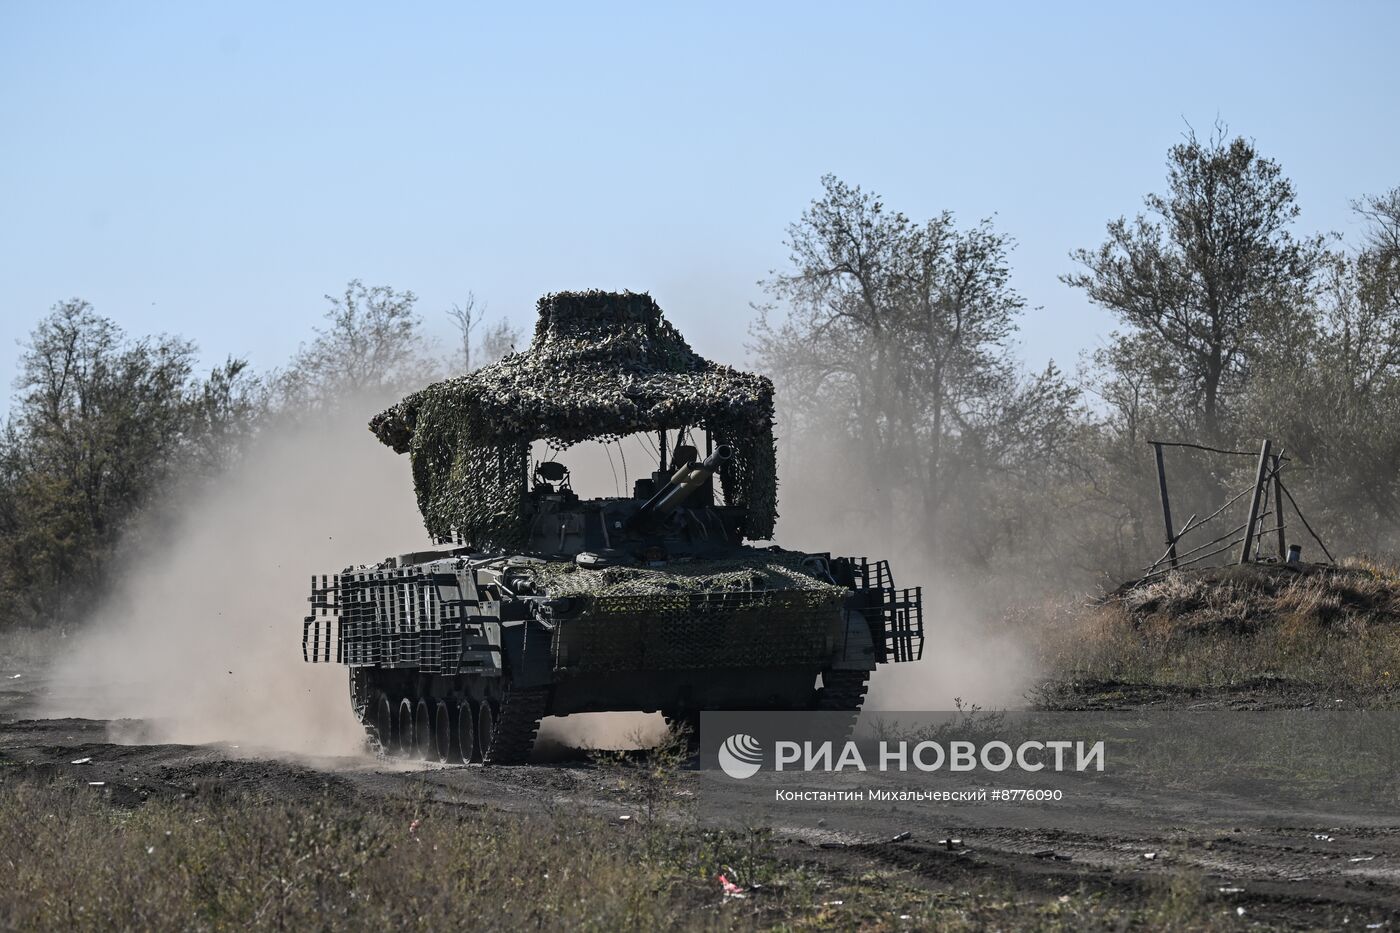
[500, 338]
[467, 317]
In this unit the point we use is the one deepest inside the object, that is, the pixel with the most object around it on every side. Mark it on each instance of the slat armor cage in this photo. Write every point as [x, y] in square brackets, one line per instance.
[399, 619]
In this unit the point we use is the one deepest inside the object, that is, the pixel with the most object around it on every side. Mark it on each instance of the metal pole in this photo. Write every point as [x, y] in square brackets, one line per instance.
[1166, 504]
[1304, 519]
[1278, 512]
[1259, 475]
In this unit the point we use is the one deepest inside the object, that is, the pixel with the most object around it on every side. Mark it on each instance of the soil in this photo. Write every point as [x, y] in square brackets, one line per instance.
[1291, 870]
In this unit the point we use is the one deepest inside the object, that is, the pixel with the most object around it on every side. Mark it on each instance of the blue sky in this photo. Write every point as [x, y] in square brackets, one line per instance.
[214, 173]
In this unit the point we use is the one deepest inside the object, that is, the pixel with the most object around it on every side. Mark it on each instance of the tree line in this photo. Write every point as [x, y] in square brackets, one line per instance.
[891, 342]
[104, 428]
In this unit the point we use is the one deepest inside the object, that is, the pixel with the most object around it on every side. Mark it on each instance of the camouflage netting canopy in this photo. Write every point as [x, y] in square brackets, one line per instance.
[602, 365]
[755, 571]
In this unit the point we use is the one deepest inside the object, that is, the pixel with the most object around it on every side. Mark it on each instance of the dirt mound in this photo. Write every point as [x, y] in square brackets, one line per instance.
[1246, 598]
[1265, 636]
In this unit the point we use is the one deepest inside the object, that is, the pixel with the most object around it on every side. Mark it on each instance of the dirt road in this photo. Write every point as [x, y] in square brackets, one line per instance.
[1289, 869]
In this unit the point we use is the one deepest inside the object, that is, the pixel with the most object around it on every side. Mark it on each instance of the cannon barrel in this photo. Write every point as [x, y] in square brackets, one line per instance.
[679, 487]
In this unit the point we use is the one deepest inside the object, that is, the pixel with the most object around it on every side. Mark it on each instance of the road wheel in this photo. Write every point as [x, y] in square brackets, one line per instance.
[422, 731]
[442, 732]
[384, 722]
[485, 729]
[466, 733]
[404, 747]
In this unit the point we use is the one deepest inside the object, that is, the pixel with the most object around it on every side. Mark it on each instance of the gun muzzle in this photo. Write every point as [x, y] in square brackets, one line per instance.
[679, 487]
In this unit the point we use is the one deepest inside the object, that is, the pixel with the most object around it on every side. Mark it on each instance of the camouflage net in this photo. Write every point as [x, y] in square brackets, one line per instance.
[602, 365]
[764, 610]
[758, 571]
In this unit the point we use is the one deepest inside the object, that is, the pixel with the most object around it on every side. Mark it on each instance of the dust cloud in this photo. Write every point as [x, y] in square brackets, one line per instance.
[201, 635]
[200, 638]
[968, 653]
[609, 731]
[966, 656]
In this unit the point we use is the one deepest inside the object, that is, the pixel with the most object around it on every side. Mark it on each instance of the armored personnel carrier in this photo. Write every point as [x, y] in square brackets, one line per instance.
[540, 602]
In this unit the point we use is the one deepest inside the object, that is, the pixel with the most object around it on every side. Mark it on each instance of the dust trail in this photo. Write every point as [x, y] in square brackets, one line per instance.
[968, 652]
[968, 655]
[612, 731]
[201, 634]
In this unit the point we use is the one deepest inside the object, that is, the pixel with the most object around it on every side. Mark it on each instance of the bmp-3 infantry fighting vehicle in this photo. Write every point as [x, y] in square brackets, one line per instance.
[545, 603]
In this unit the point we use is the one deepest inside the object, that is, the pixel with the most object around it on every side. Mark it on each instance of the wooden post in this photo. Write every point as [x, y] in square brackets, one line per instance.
[1259, 476]
[661, 438]
[1278, 510]
[1166, 504]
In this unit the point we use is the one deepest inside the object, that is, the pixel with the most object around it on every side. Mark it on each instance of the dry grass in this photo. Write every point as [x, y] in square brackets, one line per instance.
[224, 861]
[227, 861]
[27, 650]
[1316, 627]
